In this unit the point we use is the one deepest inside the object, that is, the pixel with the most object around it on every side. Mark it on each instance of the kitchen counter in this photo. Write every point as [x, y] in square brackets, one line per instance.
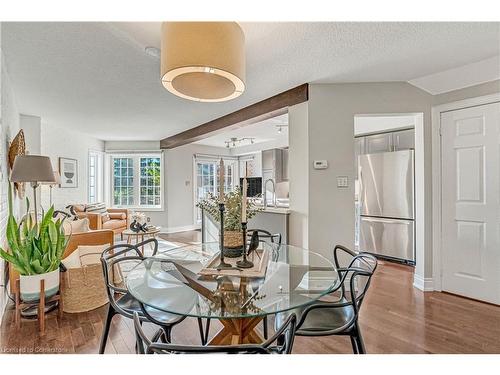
[276, 210]
[272, 219]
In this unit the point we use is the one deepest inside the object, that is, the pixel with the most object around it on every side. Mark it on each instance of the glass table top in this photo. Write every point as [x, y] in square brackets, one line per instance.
[171, 282]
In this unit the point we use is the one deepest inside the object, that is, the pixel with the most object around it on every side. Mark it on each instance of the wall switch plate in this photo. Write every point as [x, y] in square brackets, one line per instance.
[320, 164]
[342, 181]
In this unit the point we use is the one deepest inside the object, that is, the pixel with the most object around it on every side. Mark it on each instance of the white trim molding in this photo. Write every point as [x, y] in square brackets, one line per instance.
[425, 284]
[185, 228]
[436, 177]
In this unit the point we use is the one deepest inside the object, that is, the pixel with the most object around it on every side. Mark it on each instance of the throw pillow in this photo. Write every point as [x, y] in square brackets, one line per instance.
[76, 226]
[105, 217]
[117, 215]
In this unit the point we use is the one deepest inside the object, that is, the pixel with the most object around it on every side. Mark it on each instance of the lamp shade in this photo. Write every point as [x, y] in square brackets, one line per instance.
[203, 61]
[32, 168]
[56, 180]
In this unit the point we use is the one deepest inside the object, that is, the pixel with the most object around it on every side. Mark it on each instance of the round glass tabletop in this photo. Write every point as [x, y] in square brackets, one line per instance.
[182, 281]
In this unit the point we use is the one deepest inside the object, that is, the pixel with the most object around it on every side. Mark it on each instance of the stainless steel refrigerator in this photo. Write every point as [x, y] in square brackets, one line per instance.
[387, 218]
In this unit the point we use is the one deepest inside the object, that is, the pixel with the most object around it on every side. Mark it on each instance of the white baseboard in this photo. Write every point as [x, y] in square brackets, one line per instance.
[185, 228]
[424, 284]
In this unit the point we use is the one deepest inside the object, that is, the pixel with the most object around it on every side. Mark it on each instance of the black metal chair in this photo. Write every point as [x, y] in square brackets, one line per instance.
[116, 259]
[280, 343]
[341, 316]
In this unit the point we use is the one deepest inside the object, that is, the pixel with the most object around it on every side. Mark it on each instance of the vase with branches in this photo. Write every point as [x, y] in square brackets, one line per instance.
[232, 215]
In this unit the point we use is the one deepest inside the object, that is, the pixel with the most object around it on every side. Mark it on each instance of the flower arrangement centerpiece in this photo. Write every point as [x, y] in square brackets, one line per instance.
[233, 214]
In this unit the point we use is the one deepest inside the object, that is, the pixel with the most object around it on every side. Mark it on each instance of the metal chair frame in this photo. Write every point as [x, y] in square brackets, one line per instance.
[351, 327]
[109, 259]
[282, 340]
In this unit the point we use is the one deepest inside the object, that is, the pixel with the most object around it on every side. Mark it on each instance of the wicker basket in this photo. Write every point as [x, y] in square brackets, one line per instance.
[83, 289]
[233, 239]
[233, 243]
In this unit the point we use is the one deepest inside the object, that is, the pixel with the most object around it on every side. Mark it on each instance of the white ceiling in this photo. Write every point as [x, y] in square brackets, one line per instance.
[96, 78]
[262, 132]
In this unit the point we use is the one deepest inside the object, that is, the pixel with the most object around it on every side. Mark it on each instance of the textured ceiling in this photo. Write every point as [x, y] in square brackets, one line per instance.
[95, 77]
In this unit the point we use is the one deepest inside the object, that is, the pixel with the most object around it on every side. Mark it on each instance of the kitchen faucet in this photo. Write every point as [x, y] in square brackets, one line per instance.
[265, 192]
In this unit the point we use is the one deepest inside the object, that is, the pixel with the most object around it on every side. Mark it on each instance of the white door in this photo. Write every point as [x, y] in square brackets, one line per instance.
[470, 147]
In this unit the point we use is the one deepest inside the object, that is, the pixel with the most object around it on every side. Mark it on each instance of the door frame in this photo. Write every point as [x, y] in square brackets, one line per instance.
[437, 264]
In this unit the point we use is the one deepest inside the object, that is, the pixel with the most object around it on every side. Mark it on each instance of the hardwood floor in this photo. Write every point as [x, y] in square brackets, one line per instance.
[395, 318]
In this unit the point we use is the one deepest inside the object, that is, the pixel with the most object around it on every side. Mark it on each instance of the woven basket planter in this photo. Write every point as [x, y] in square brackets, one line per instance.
[233, 243]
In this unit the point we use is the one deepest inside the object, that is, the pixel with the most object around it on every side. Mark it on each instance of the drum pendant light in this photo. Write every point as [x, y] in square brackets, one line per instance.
[203, 61]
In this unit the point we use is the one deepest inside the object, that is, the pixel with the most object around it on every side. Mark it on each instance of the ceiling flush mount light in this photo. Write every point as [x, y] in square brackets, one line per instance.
[203, 61]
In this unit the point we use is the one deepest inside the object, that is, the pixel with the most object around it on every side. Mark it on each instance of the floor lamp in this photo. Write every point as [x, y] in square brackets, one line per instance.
[34, 169]
[55, 182]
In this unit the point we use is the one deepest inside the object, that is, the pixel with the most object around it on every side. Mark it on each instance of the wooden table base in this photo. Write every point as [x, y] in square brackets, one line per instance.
[238, 331]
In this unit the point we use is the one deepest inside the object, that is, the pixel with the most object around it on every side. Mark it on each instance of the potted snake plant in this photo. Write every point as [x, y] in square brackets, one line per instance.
[35, 251]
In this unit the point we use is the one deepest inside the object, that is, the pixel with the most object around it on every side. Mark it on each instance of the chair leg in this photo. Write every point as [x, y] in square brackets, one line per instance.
[354, 345]
[202, 335]
[207, 329]
[359, 341]
[264, 322]
[168, 334]
[105, 331]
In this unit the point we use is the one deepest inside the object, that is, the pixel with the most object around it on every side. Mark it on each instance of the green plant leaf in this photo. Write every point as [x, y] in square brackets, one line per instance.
[37, 267]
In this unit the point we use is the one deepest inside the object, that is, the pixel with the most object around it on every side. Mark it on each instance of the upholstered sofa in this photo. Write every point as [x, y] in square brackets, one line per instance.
[115, 219]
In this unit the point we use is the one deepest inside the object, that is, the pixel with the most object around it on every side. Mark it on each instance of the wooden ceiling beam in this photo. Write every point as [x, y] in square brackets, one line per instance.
[265, 109]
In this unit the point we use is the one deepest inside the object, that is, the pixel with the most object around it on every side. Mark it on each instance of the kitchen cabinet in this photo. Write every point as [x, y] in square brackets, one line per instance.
[267, 159]
[359, 149]
[275, 164]
[378, 143]
[404, 140]
[284, 169]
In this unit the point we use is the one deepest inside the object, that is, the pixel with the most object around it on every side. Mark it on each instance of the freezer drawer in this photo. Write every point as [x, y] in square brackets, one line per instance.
[389, 237]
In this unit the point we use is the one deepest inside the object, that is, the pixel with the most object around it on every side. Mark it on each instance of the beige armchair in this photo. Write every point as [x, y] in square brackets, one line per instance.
[115, 219]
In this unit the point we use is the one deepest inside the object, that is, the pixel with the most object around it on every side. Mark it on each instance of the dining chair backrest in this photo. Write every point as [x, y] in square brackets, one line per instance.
[265, 236]
[116, 262]
[280, 343]
[356, 274]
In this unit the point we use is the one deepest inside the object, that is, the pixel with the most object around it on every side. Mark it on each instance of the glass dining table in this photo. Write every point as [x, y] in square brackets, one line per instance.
[174, 282]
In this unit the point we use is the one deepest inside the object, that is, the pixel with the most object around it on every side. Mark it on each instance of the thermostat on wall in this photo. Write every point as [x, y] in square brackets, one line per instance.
[320, 164]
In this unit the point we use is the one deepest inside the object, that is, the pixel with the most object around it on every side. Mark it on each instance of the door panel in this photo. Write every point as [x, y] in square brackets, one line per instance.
[470, 148]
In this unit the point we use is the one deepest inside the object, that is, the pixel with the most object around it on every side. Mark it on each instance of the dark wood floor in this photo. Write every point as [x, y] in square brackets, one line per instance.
[396, 318]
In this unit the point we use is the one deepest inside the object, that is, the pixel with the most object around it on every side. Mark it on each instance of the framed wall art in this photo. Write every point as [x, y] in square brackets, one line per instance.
[68, 169]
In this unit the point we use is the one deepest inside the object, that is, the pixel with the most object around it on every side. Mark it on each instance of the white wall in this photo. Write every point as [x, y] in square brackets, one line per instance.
[367, 124]
[331, 112]
[9, 126]
[180, 185]
[59, 142]
[298, 165]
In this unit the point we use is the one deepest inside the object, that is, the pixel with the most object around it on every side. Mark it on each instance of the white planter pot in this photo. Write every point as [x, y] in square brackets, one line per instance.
[30, 285]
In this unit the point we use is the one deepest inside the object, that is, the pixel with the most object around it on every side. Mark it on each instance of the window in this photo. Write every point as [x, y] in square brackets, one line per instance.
[95, 176]
[137, 181]
[207, 179]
